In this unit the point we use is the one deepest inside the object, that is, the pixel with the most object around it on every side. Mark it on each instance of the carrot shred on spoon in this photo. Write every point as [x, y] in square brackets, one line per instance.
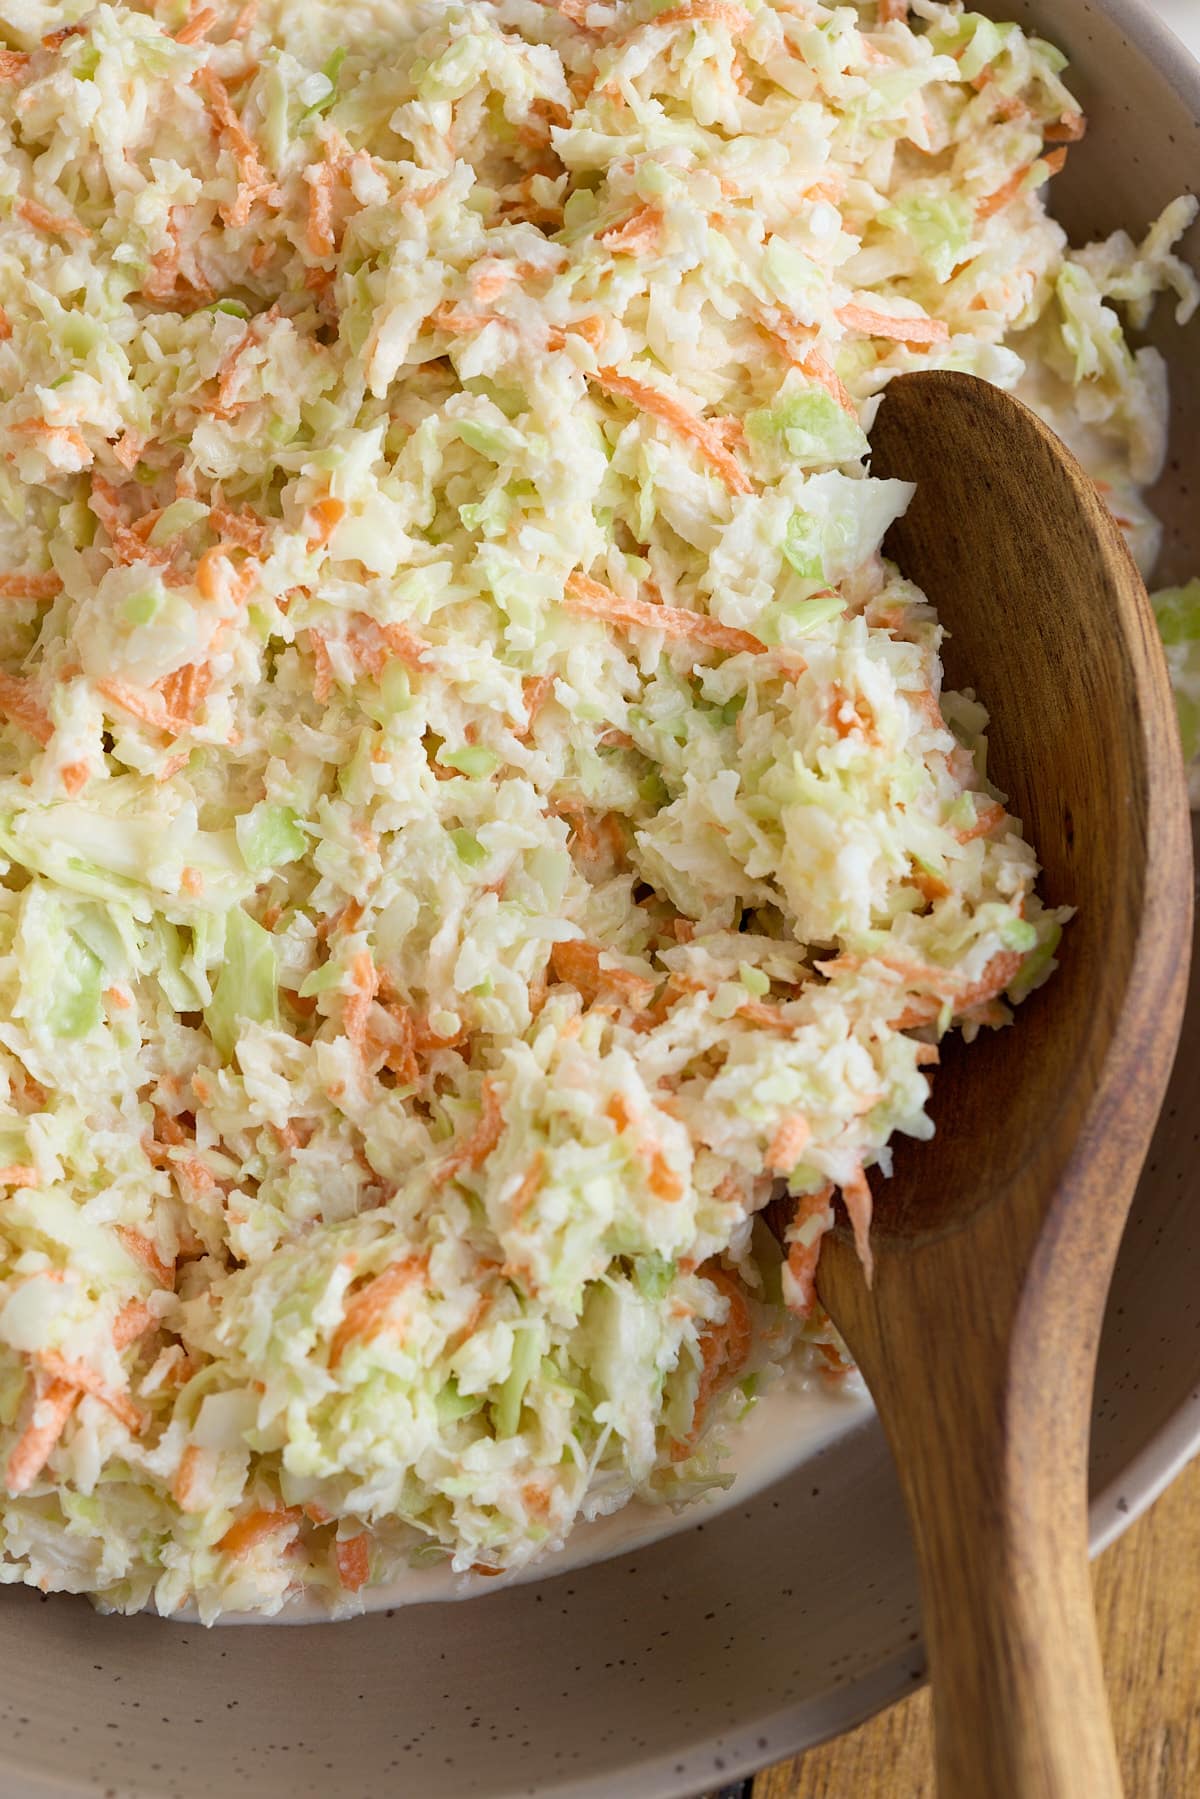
[706, 434]
[804, 1256]
[593, 600]
[50, 1413]
[856, 1197]
[788, 1144]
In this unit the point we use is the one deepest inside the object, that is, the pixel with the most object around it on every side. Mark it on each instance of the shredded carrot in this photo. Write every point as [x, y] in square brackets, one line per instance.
[45, 1427]
[724, 1347]
[353, 1560]
[6, 329]
[593, 600]
[706, 434]
[143, 1251]
[254, 182]
[14, 65]
[57, 224]
[368, 1312]
[321, 179]
[995, 978]
[79, 1375]
[18, 1174]
[322, 665]
[1068, 130]
[356, 1009]
[922, 974]
[54, 40]
[986, 821]
[576, 12]
[529, 1188]
[994, 203]
[591, 329]
[30, 586]
[804, 1257]
[578, 965]
[849, 713]
[328, 515]
[535, 691]
[133, 1321]
[788, 1144]
[18, 705]
[890, 10]
[399, 1048]
[197, 27]
[639, 235]
[906, 330]
[449, 317]
[245, 19]
[183, 1487]
[856, 1197]
[931, 887]
[662, 1179]
[406, 645]
[244, 528]
[185, 690]
[478, 1146]
[253, 1528]
[150, 707]
[708, 12]
[817, 369]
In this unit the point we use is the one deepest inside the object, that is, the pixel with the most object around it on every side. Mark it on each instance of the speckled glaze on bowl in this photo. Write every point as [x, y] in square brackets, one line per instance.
[782, 1621]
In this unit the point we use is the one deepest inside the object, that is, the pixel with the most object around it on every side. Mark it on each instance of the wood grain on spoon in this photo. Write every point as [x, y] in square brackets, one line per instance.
[994, 1244]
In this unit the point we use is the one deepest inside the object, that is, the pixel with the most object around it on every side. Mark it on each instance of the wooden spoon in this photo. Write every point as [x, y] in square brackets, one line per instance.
[995, 1242]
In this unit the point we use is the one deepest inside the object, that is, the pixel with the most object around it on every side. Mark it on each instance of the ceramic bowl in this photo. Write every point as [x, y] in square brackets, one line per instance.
[789, 1617]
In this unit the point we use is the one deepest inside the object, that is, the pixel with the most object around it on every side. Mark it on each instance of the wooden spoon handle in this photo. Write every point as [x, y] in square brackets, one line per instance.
[1020, 1710]
[986, 1406]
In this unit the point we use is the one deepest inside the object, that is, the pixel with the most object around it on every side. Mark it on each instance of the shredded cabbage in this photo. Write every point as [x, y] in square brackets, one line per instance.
[478, 810]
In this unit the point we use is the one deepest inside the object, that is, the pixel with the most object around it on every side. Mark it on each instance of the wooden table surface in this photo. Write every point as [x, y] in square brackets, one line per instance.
[1148, 1600]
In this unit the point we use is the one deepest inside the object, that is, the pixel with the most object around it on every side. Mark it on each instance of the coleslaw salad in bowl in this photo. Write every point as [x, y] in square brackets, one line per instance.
[477, 808]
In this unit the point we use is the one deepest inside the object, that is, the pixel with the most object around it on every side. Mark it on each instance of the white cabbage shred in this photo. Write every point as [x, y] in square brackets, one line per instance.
[476, 807]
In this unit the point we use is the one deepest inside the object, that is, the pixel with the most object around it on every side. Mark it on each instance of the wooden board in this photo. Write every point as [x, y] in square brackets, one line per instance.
[1148, 1602]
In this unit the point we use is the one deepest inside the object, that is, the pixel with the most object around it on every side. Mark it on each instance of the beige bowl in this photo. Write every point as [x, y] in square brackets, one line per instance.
[743, 1639]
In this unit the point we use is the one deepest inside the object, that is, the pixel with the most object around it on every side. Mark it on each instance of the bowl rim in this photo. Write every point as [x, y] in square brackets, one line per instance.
[794, 1728]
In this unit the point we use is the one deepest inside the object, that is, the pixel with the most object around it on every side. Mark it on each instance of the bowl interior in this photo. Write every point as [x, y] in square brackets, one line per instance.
[746, 1637]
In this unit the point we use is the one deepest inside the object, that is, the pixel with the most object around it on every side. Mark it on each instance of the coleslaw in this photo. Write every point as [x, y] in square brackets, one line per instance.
[478, 811]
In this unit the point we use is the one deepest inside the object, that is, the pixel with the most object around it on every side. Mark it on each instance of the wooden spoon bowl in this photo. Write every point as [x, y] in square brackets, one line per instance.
[994, 1243]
